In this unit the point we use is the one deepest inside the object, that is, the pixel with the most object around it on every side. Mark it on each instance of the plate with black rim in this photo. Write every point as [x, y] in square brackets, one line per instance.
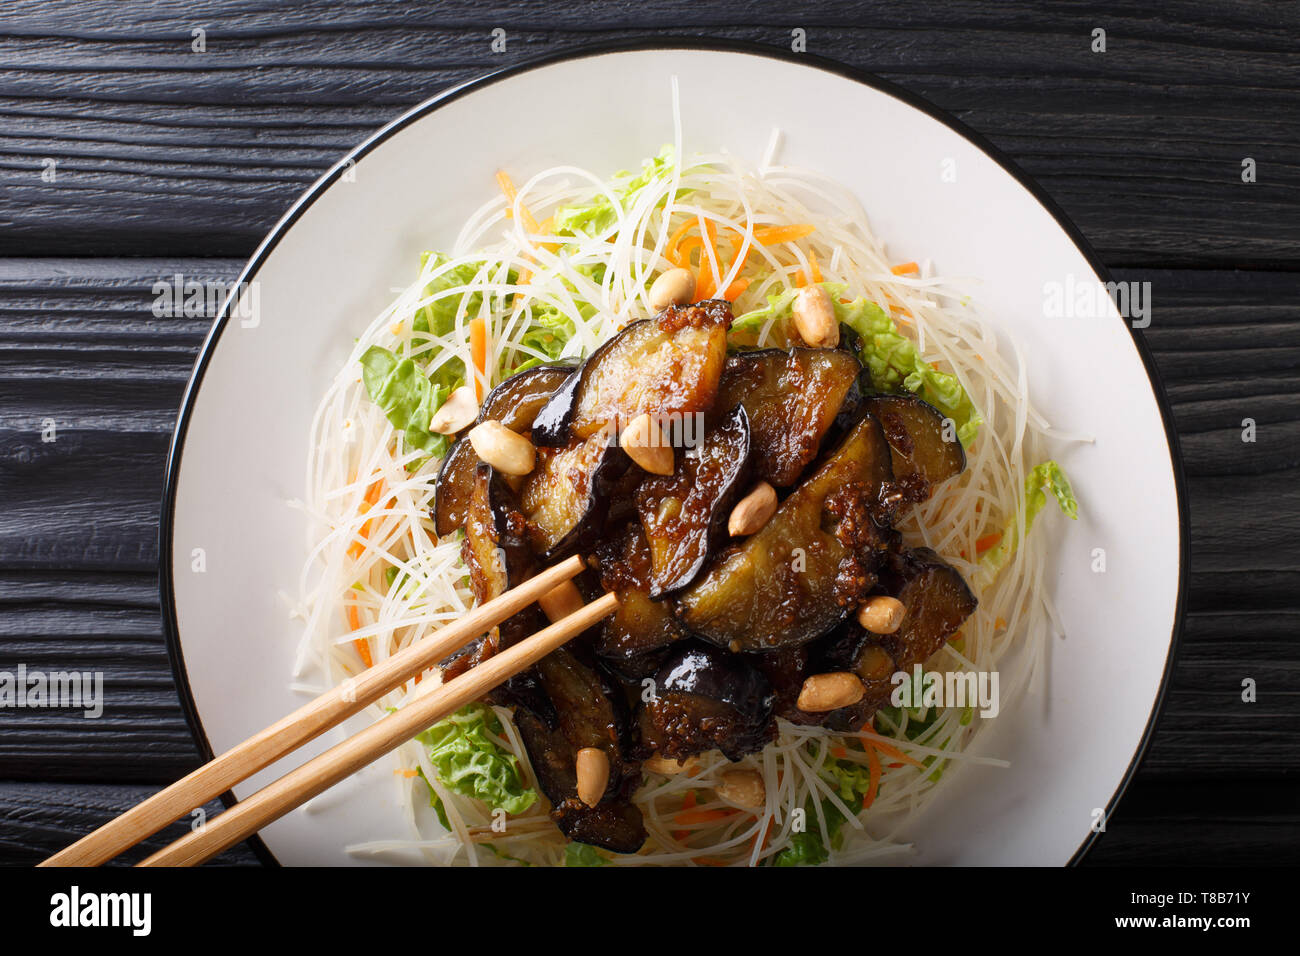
[232, 547]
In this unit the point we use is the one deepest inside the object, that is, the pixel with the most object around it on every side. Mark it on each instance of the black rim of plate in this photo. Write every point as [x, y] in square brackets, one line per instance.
[167, 517]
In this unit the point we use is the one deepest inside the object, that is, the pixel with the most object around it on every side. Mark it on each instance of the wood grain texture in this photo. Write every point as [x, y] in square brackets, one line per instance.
[162, 150]
[180, 157]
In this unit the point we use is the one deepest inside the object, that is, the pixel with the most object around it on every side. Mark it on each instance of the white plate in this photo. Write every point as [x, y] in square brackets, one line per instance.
[333, 261]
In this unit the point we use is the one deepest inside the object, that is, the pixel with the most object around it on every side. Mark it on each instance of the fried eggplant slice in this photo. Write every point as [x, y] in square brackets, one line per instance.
[809, 565]
[589, 712]
[793, 398]
[684, 515]
[938, 601]
[921, 455]
[566, 495]
[514, 403]
[667, 367]
[496, 552]
[640, 625]
[706, 699]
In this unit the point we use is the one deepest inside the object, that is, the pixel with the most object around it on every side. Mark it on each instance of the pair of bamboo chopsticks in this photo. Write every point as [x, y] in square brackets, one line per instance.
[312, 719]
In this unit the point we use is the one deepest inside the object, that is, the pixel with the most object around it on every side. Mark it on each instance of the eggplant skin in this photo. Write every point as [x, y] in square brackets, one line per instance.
[590, 712]
[684, 515]
[667, 367]
[922, 459]
[514, 403]
[566, 495]
[809, 565]
[707, 699]
[498, 557]
[793, 398]
[639, 625]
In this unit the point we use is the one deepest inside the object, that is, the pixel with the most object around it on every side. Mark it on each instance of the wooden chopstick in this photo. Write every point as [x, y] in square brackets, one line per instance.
[344, 759]
[307, 722]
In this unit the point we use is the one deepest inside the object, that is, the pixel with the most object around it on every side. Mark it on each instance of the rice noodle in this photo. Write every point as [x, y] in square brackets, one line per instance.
[353, 446]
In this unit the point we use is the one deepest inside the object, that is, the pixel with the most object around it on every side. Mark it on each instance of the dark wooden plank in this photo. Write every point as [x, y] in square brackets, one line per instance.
[161, 150]
[80, 346]
[38, 819]
[1202, 822]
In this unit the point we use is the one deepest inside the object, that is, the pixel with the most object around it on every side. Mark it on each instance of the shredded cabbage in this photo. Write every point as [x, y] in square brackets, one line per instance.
[468, 760]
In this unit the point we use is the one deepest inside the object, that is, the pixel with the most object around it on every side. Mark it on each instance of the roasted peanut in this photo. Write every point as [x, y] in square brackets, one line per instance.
[457, 412]
[503, 449]
[668, 766]
[814, 317]
[646, 444]
[592, 767]
[744, 788]
[560, 601]
[752, 511]
[882, 614]
[823, 692]
[674, 287]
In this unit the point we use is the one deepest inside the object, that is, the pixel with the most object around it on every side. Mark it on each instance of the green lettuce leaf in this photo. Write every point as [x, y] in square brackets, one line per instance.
[407, 396]
[591, 219]
[469, 762]
[1042, 479]
[808, 848]
[890, 357]
[439, 317]
[580, 854]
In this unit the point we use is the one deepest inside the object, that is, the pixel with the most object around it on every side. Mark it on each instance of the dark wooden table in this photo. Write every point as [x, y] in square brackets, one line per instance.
[170, 160]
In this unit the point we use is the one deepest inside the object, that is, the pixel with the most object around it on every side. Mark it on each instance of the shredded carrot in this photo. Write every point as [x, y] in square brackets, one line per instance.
[367, 504]
[705, 281]
[508, 187]
[671, 251]
[361, 645]
[478, 350]
[813, 272]
[905, 268]
[688, 817]
[839, 752]
[768, 235]
[406, 772]
[873, 766]
[889, 750]
[711, 861]
[733, 291]
[739, 238]
[688, 802]
[987, 541]
[1000, 623]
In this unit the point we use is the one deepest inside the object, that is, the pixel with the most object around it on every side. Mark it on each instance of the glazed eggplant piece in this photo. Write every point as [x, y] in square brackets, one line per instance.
[667, 367]
[937, 601]
[496, 552]
[921, 456]
[566, 495]
[793, 398]
[684, 515]
[706, 699]
[589, 712]
[514, 403]
[809, 565]
[640, 625]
